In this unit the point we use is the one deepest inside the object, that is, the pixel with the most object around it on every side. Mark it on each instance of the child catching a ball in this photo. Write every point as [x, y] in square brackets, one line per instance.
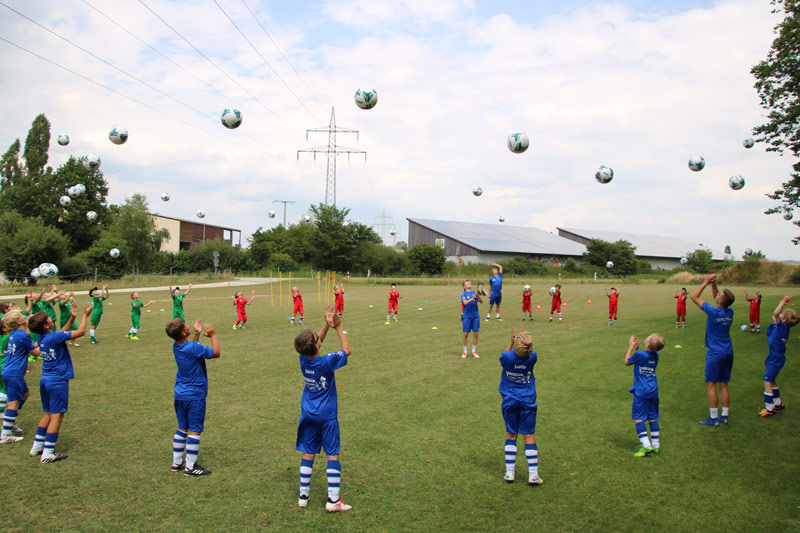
[613, 297]
[338, 299]
[241, 304]
[177, 301]
[526, 303]
[20, 346]
[298, 305]
[777, 335]
[645, 391]
[136, 313]
[755, 312]
[394, 296]
[681, 312]
[66, 303]
[555, 305]
[98, 296]
[470, 317]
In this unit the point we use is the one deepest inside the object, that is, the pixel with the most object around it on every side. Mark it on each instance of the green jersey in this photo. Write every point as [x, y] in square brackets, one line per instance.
[136, 308]
[97, 302]
[64, 315]
[177, 306]
[49, 308]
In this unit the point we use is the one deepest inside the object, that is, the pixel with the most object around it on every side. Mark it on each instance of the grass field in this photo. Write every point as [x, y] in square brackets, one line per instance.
[422, 433]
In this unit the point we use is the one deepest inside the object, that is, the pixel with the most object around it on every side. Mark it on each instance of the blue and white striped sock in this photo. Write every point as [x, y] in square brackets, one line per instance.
[641, 429]
[511, 456]
[306, 466]
[654, 434]
[192, 449]
[9, 418]
[178, 447]
[334, 479]
[532, 454]
[49, 444]
[776, 394]
[768, 401]
[38, 440]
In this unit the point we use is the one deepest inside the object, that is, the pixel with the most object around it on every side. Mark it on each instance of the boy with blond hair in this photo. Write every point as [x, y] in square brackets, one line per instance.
[241, 303]
[20, 346]
[470, 317]
[777, 335]
[338, 299]
[645, 391]
[297, 298]
[136, 315]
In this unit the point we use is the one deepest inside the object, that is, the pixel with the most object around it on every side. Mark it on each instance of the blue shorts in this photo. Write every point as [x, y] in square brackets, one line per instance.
[718, 367]
[55, 395]
[314, 435]
[495, 298]
[773, 367]
[191, 414]
[645, 409]
[15, 388]
[519, 417]
[471, 324]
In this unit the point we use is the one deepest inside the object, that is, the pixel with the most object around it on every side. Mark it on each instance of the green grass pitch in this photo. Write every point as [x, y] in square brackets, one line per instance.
[422, 433]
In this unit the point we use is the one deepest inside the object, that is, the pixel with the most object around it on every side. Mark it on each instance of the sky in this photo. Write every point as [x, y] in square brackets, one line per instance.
[636, 85]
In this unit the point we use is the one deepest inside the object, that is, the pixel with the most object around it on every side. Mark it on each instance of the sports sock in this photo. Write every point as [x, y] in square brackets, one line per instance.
[192, 449]
[135, 331]
[768, 401]
[293, 321]
[641, 429]
[677, 323]
[654, 434]
[388, 316]
[497, 315]
[465, 348]
[488, 315]
[532, 454]
[130, 331]
[474, 348]
[776, 394]
[752, 327]
[306, 465]
[9, 418]
[713, 412]
[178, 447]
[559, 316]
[38, 439]
[91, 332]
[511, 456]
[49, 444]
[725, 411]
[334, 479]
[551, 317]
[758, 328]
[301, 320]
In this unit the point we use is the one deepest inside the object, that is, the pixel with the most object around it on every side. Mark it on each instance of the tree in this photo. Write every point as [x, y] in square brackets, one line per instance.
[37, 145]
[335, 240]
[28, 242]
[137, 229]
[699, 261]
[621, 253]
[427, 258]
[778, 86]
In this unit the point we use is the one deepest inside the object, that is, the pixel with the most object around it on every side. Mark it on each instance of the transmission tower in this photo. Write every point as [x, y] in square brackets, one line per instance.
[384, 222]
[332, 150]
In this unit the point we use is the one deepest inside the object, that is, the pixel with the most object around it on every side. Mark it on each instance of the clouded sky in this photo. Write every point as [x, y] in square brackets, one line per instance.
[637, 85]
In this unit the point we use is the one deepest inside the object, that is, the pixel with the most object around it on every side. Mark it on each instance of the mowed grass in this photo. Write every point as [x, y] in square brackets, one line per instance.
[422, 432]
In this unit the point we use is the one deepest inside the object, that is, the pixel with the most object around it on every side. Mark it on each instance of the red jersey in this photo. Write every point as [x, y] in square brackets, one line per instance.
[612, 299]
[557, 297]
[681, 300]
[338, 298]
[240, 302]
[298, 300]
[755, 305]
[393, 296]
[526, 297]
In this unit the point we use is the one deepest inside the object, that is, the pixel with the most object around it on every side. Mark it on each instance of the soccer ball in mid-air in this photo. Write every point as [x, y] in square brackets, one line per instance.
[518, 142]
[91, 161]
[552, 290]
[65, 200]
[114, 252]
[609, 264]
[231, 118]
[604, 174]
[201, 214]
[502, 219]
[63, 139]
[165, 197]
[393, 233]
[47, 269]
[736, 182]
[366, 99]
[307, 218]
[77, 190]
[271, 214]
[684, 260]
[477, 191]
[788, 215]
[35, 274]
[91, 216]
[748, 143]
[748, 252]
[118, 135]
[697, 163]
[526, 288]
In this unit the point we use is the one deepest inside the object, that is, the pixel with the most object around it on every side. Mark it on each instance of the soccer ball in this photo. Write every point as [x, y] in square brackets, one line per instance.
[76, 190]
[35, 274]
[697, 163]
[609, 264]
[788, 215]
[72, 191]
[114, 252]
[307, 218]
[749, 251]
[477, 191]
[518, 142]
[748, 143]
[65, 200]
[81, 188]
[118, 135]
[604, 174]
[393, 233]
[366, 99]
[684, 260]
[63, 140]
[231, 118]
[201, 214]
[736, 182]
[271, 214]
[165, 197]
[47, 269]
[552, 290]
[91, 161]
[526, 288]
[91, 216]
[743, 327]
[502, 219]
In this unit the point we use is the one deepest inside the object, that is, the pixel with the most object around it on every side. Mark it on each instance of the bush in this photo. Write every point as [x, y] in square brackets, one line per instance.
[427, 259]
[570, 265]
[74, 269]
[283, 262]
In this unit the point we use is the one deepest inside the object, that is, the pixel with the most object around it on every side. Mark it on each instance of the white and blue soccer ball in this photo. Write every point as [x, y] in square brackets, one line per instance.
[788, 215]
[477, 191]
[118, 135]
[366, 99]
[526, 288]
[552, 290]
[47, 269]
[743, 327]
[684, 260]
[604, 174]
[91, 216]
[307, 218]
[91, 161]
[80, 188]
[114, 252]
[609, 264]
[231, 118]
[63, 139]
[393, 233]
[165, 196]
[201, 214]
[748, 143]
[697, 163]
[271, 214]
[65, 200]
[35, 274]
[736, 182]
[518, 142]
[502, 219]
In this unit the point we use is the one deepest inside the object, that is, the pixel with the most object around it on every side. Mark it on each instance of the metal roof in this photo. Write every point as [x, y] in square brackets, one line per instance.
[502, 238]
[647, 245]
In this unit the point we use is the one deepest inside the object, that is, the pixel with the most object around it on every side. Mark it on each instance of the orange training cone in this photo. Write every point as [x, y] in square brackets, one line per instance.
[564, 305]
[538, 306]
[590, 301]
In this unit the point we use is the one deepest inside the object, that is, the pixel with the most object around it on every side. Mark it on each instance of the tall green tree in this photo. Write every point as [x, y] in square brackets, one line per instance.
[427, 258]
[778, 86]
[28, 242]
[137, 229]
[335, 239]
[37, 145]
[621, 253]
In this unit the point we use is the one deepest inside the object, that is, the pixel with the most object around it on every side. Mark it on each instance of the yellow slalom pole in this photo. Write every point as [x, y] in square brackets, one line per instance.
[290, 287]
[271, 299]
[319, 296]
[280, 285]
[327, 281]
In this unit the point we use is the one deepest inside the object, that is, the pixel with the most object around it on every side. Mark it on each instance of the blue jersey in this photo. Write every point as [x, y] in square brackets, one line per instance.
[319, 401]
[191, 381]
[777, 335]
[56, 362]
[470, 309]
[645, 384]
[19, 345]
[517, 381]
[496, 283]
[718, 329]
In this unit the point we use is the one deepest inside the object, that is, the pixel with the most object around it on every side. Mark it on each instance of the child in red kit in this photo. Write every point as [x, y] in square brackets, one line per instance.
[241, 312]
[612, 305]
[298, 305]
[755, 312]
[680, 321]
[526, 302]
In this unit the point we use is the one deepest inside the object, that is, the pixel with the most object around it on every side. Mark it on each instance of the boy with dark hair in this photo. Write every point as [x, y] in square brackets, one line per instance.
[613, 298]
[394, 296]
[136, 314]
[645, 391]
[495, 290]
[318, 427]
[555, 305]
[470, 317]
[177, 301]
[777, 335]
[680, 321]
[526, 302]
[719, 357]
[191, 390]
[755, 312]
[20, 346]
[98, 297]
[65, 303]
[54, 383]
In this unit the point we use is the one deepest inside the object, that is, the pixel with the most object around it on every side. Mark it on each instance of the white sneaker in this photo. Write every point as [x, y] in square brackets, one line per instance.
[509, 477]
[16, 429]
[302, 501]
[336, 507]
[10, 439]
[463, 355]
[475, 355]
[534, 479]
[34, 453]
